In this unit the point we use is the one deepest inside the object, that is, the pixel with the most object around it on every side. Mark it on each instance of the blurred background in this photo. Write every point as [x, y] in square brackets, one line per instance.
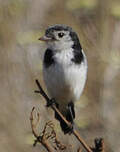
[22, 22]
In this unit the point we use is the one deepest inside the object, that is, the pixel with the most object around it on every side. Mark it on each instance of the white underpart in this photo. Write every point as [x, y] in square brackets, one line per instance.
[64, 79]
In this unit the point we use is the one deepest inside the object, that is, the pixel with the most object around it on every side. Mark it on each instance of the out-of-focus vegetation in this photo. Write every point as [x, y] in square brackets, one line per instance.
[22, 22]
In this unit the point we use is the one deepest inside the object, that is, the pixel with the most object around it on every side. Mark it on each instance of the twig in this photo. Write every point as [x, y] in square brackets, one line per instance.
[75, 133]
[79, 150]
[46, 134]
[99, 145]
[53, 136]
[42, 139]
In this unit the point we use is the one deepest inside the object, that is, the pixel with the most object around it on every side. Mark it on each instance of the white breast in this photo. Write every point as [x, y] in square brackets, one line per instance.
[65, 80]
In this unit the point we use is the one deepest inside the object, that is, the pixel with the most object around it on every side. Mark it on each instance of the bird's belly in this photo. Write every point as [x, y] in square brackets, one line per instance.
[65, 84]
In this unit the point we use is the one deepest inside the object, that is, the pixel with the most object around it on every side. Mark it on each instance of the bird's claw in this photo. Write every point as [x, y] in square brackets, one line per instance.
[69, 129]
[51, 102]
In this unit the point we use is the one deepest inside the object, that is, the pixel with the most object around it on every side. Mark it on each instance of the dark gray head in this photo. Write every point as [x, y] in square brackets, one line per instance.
[61, 37]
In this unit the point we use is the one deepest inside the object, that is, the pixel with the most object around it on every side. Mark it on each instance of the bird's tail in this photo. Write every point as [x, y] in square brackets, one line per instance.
[69, 115]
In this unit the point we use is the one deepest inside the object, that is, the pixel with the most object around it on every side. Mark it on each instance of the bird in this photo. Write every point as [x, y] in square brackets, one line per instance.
[64, 70]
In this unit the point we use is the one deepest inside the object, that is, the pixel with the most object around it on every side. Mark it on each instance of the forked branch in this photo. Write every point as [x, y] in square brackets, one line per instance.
[39, 138]
[48, 100]
[99, 143]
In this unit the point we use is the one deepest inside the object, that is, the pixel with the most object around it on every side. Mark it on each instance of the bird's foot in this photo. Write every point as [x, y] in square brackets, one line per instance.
[69, 129]
[66, 128]
[51, 102]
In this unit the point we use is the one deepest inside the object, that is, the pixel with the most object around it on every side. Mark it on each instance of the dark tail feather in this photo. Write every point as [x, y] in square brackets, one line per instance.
[70, 115]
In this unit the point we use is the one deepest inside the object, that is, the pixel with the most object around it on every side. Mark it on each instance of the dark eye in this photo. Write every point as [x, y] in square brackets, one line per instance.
[61, 34]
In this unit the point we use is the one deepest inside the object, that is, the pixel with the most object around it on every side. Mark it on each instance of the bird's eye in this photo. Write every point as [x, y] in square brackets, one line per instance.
[61, 34]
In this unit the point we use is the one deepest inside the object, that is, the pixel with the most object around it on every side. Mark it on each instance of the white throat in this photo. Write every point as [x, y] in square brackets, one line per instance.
[60, 45]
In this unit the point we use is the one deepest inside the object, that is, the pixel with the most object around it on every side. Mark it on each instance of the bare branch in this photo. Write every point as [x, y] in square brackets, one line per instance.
[48, 133]
[75, 133]
[79, 150]
[55, 139]
[41, 139]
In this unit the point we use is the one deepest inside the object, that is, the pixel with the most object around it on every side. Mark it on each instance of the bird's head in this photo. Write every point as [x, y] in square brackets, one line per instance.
[60, 37]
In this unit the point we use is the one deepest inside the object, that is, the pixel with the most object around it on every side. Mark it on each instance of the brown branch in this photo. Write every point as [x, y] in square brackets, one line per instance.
[79, 150]
[55, 140]
[46, 134]
[75, 133]
[41, 139]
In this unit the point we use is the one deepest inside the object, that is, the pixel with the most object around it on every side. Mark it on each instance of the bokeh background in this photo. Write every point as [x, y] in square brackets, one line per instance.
[22, 22]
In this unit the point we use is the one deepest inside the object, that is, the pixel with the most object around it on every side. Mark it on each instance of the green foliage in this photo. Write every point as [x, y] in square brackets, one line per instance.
[115, 10]
[10, 14]
[15, 8]
[28, 37]
[73, 5]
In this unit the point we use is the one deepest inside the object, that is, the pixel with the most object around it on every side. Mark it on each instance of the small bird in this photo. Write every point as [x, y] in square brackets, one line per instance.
[64, 70]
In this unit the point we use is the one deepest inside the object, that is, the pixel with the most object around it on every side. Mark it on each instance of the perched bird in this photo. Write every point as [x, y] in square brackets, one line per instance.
[64, 69]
